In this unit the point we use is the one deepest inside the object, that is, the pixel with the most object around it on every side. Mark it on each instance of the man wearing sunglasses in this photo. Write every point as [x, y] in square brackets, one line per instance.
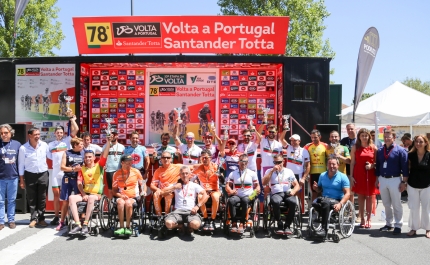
[241, 183]
[207, 176]
[250, 148]
[90, 185]
[190, 152]
[281, 180]
[156, 156]
[165, 176]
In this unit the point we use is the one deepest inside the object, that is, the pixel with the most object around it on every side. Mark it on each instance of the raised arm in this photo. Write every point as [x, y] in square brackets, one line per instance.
[176, 135]
[74, 128]
[282, 138]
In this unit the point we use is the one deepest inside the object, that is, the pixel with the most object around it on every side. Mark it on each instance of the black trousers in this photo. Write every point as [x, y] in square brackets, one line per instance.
[290, 202]
[36, 186]
[323, 207]
[244, 202]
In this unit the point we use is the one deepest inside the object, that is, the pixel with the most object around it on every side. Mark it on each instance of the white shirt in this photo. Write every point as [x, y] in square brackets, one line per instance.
[56, 151]
[251, 150]
[95, 148]
[281, 182]
[185, 198]
[190, 156]
[243, 181]
[296, 158]
[114, 157]
[267, 150]
[33, 160]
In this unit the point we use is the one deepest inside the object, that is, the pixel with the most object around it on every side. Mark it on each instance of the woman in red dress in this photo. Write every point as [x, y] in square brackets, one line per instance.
[363, 174]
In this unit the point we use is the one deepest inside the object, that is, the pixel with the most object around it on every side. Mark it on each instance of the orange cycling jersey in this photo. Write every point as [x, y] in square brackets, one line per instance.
[163, 177]
[317, 155]
[207, 176]
[127, 182]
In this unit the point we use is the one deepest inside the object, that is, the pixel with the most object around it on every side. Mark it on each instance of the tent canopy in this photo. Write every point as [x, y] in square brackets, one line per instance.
[396, 105]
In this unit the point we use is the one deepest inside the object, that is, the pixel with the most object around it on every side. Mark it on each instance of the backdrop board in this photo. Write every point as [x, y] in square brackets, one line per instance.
[40, 95]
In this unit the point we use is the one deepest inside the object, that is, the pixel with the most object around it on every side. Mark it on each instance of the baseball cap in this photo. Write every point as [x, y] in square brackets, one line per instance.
[295, 137]
[231, 140]
[126, 158]
[207, 134]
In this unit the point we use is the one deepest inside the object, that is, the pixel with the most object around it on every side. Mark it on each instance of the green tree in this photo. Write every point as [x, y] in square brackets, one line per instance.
[305, 34]
[37, 32]
[364, 96]
[417, 84]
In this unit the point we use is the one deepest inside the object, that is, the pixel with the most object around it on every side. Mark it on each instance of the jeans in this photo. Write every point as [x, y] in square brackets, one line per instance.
[8, 190]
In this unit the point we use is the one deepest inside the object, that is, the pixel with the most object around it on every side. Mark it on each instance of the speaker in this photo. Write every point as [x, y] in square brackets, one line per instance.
[21, 132]
[325, 130]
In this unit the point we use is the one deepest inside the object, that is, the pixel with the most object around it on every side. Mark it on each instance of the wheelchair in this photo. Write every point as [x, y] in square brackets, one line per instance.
[342, 222]
[154, 223]
[252, 224]
[220, 214]
[269, 222]
[99, 219]
[138, 217]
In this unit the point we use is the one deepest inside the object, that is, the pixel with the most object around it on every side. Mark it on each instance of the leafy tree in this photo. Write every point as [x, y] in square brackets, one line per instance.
[417, 84]
[364, 96]
[305, 34]
[37, 32]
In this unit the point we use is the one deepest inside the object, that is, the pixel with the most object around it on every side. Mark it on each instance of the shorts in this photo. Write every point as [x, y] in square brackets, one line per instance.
[109, 177]
[68, 188]
[55, 179]
[314, 177]
[183, 216]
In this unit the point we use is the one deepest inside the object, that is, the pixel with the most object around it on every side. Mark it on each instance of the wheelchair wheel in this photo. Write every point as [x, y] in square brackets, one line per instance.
[297, 220]
[225, 219]
[266, 214]
[142, 215]
[314, 220]
[347, 219]
[255, 216]
[104, 213]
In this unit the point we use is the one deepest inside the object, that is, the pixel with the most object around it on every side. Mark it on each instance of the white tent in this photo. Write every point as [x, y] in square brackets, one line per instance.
[396, 105]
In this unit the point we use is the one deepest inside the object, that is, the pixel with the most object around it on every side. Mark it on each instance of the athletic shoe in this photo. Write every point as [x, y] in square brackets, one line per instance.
[206, 224]
[119, 232]
[386, 228]
[234, 228]
[84, 229]
[42, 223]
[321, 233]
[55, 221]
[60, 226]
[287, 231]
[32, 224]
[127, 232]
[240, 230]
[280, 230]
[212, 225]
[76, 230]
[397, 231]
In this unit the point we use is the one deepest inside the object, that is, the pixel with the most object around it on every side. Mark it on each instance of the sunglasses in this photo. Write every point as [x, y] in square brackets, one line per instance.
[247, 135]
[205, 157]
[277, 162]
[243, 161]
[272, 132]
[231, 143]
[189, 138]
[166, 157]
[89, 151]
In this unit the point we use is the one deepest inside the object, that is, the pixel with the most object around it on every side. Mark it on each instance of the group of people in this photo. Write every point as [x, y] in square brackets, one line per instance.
[338, 169]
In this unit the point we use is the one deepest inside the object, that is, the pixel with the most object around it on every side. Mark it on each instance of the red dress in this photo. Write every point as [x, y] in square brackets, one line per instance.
[364, 179]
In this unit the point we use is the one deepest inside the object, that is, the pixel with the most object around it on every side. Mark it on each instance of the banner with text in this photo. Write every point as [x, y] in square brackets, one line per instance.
[181, 34]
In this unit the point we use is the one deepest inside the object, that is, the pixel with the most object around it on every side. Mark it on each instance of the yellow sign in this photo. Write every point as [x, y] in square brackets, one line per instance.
[20, 71]
[153, 91]
[98, 34]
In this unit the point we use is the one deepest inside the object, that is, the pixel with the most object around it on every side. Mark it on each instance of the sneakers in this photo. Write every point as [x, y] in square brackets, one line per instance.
[321, 233]
[119, 232]
[205, 224]
[84, 230]
[55, 221]
[397, 231]
[280, 230]
[12, 225]
[234, 228]
[287, 231]
[76, 230]
[127, 232]
[386, 228]
[1, 226]
[240, 230]
[42, 223]
[212, 225]
[32, 224]
[60, 226]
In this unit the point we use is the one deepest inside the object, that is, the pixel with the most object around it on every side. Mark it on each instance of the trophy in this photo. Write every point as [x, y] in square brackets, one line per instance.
[286, 123]
[178, 112]
[155, 145]
[212, 125]
[225, 136]
[335, 148]
[251, 124]
[265, 111]
[68, 99]
[109, 128]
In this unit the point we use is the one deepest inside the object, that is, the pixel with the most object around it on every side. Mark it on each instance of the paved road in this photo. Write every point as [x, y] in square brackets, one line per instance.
[46, 246]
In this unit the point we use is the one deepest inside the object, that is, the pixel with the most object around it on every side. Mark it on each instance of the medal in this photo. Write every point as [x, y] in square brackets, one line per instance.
[189, 161]
[208, 185]
[242, 188]
[115, 158]
[125, 188]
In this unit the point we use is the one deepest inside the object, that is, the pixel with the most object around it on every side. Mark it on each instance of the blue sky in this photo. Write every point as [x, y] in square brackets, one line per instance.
[404, 30]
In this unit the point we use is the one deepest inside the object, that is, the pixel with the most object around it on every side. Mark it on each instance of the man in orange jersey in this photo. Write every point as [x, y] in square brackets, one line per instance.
[127, 184]
[316, 151]
[164, 176]
[208, 178]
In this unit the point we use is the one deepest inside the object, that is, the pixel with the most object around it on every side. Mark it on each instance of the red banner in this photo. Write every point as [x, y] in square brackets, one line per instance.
[181, 34]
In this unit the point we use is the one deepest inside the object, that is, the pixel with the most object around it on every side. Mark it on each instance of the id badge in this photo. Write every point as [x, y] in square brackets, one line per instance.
[6, 160]
[184, 202]
[66, 180]
[385, 164]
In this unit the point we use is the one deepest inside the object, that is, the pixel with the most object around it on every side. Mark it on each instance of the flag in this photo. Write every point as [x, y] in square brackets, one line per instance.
[19, 9]
[366, 56]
